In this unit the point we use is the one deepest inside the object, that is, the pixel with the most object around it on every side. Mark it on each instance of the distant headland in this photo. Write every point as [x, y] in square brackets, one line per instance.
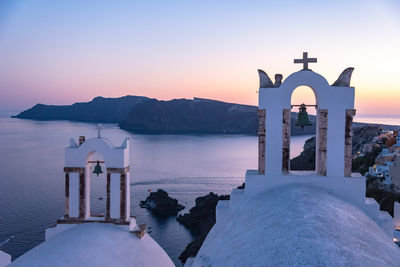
[141, 114]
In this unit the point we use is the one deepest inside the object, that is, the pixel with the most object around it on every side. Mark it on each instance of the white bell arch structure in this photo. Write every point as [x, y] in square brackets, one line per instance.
[77, 180]
[335, 109]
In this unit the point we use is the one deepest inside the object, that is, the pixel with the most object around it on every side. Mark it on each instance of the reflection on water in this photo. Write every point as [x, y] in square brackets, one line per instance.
[186, 166]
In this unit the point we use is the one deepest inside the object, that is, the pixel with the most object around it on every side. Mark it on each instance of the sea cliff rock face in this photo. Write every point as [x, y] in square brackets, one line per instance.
[184, 116]
[361, 137]
[180, 116]
[199, 221]
[306, 160]
[100, 109]
[161, 204]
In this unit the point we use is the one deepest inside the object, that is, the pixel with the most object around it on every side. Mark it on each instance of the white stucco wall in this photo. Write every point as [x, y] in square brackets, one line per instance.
[350, 189]
[335, 99]
[53, 231]
[115, 157]
[74, 194]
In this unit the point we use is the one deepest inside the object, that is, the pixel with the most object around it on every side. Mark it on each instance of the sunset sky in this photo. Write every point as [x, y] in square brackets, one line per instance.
[60, 52]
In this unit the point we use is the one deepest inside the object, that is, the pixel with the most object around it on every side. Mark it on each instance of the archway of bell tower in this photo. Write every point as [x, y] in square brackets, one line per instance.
[97, 184]
[299, 135]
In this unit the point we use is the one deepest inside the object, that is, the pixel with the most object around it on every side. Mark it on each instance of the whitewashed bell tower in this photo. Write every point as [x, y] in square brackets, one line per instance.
[335, 111]
[78, 159]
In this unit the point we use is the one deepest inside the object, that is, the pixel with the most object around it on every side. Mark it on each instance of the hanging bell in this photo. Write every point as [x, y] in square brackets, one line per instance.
[97, 169]
[302, 117]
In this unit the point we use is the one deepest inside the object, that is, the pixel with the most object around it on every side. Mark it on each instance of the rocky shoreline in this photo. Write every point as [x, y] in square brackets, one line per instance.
[199, 221]
[161, 204]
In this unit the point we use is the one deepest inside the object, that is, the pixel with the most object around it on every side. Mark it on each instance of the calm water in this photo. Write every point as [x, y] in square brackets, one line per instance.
[390, 119]
[32, 180]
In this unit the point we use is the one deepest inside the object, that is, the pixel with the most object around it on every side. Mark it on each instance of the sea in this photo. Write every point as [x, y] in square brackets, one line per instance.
[186, 166]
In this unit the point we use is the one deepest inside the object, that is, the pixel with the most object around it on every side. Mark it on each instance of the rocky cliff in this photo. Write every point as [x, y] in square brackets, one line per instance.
[160, 203]
[362, 136]
[100, 109]
[184, 116]
[144, 115]
[199, 221]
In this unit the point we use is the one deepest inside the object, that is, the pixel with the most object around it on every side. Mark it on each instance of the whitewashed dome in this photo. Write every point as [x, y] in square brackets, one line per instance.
[297, 225]
[96, 244]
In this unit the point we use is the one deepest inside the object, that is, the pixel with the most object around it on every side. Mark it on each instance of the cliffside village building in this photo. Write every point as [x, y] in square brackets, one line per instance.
[387, 163]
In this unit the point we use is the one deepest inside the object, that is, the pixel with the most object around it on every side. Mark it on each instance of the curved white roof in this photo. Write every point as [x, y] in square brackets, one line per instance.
[96, 244]
[297, 226]
[4, 259]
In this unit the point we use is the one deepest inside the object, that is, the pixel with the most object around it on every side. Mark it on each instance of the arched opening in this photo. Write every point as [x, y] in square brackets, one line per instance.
[97, 185]
[302, 139]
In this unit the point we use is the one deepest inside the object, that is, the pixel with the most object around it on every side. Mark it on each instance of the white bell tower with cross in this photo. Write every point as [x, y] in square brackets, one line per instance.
[334, 117]
[335, 111]
[79, 157]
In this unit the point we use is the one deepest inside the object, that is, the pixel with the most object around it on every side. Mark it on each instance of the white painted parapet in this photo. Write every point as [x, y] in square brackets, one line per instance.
[115, 157]
[236, 196]
[115, 160]
[351, 189]
[222, 210]
[59, 228]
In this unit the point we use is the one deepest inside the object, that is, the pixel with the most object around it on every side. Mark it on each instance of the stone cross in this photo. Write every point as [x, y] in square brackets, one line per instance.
[305, 60]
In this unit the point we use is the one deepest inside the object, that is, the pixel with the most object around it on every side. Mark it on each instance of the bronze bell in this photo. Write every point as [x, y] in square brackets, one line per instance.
[97, 169]
[302, 117]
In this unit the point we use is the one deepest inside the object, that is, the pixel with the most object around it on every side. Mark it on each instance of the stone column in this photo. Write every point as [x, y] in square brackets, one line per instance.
[322, 141]
[396, 214]
[348, 148]
[82, 196]
[286, 140]
[108, 195]
[123, 197]
[75, 192]
[261, 141]
[67, 194]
